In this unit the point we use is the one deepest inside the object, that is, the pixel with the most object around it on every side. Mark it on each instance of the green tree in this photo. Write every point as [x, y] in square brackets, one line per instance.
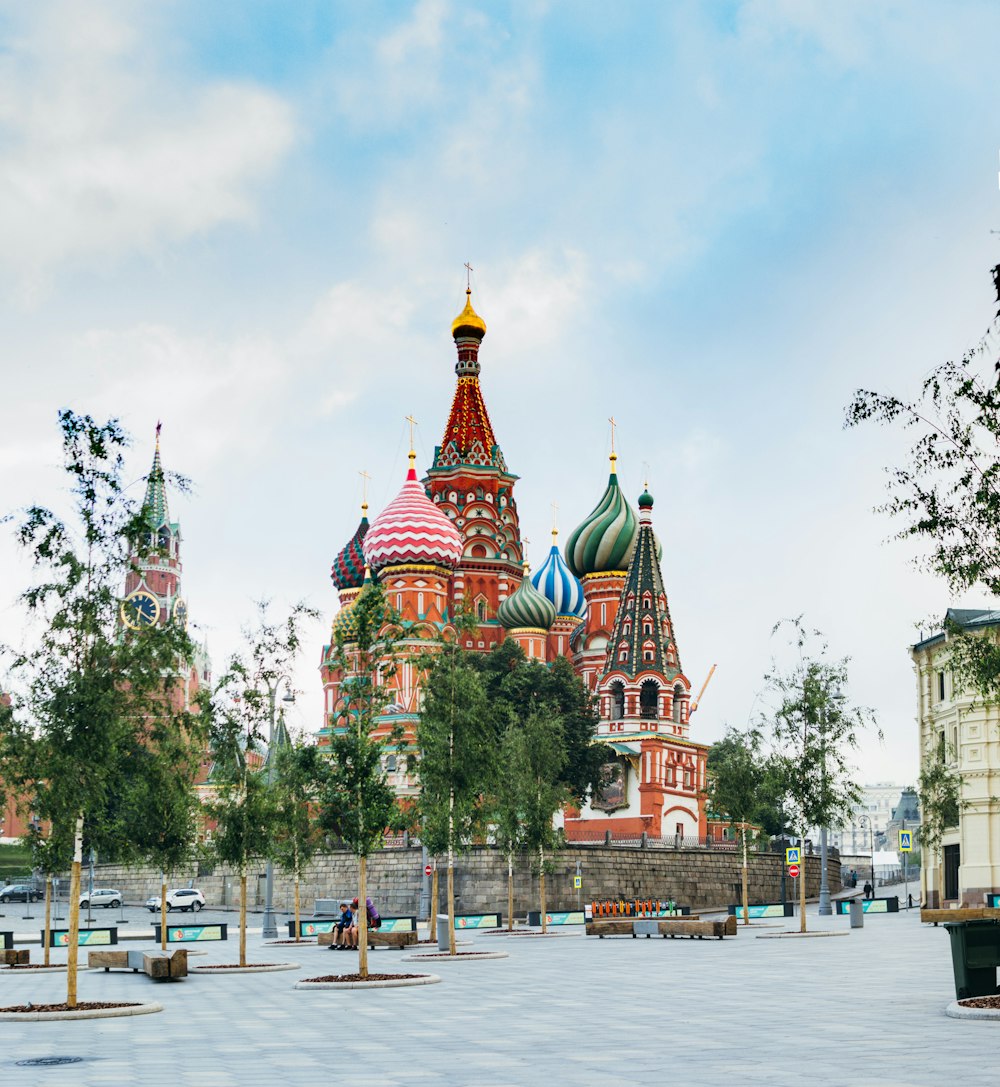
[300, 772]
[457, 743]
[516, 686]
[90, 691]
[356, 802]
[243, 715]
[741, 789]
[813, 730]
[534, 752]
[946, 495]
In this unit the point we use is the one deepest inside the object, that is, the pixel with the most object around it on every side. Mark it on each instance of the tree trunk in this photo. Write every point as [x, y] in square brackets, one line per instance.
[243, 917]
[298, 929]
[510, 892]
[802, 884]
[163, 911]
[451, 903]
[73, 949]
[48, 918]
[363, 916]
[435, 900]
[746, 891]
[541, 885]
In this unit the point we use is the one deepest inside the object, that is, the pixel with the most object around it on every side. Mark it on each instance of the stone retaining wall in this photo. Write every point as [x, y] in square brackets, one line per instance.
[695, 877]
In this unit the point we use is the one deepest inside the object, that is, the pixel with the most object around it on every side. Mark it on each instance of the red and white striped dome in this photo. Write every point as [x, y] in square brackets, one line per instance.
[412, 529]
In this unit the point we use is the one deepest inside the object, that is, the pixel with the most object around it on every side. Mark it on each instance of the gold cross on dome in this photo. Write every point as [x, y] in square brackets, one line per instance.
[365, 478]
[468, 276]
[555, 519]
[413, 423]
[611, 420]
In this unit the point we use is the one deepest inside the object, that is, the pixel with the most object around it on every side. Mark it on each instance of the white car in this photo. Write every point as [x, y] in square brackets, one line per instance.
[181, 898]
[101, 896]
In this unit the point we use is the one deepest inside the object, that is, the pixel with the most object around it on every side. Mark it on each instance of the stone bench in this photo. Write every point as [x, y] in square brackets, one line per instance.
[158, 965]
[10, 956]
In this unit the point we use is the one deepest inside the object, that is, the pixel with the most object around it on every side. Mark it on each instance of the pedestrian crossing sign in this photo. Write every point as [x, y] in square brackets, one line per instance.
[906, 841]
[578, 882]
[793, 855]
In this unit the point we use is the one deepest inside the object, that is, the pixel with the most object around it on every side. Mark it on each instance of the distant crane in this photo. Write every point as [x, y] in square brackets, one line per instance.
[711, 672]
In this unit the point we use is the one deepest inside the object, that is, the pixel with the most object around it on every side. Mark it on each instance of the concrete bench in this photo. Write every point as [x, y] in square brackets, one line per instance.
[10, 956]
[158, 965]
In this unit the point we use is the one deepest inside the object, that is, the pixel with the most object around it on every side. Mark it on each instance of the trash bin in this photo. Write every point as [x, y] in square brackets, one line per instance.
[534, 918]
[857, 913]
[975, 955]
[442, 932]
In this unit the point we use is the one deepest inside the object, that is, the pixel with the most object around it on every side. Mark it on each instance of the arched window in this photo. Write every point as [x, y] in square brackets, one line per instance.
[678, 694]
[481, 610]
[420, 603]
[617, 700]
[390, 763]
[626, 628]
[647, 626]
[649, 699]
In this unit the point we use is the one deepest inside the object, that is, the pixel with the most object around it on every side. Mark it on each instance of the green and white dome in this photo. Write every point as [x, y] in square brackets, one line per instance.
[526, 608]
[604, 542]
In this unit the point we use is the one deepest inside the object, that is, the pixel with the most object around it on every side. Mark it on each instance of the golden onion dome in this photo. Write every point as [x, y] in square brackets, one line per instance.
[468, 322]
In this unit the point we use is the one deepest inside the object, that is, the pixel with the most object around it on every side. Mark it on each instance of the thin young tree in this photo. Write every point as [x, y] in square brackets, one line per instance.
[243, 720]
[939, 788]
[457, 743]
[357, 804]
[536, 750]
[505, 815]
[299, 775]
[89, 689]
[813, 730]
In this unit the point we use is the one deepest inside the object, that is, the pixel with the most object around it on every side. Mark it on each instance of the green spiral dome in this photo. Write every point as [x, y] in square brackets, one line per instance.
[526, 607]
[606, 538]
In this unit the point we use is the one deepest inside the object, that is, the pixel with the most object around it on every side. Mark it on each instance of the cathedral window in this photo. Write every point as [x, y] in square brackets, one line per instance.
[617, 701]
[678, 694]
[399, 601]
[623, 656]
[649, 699]
[481, 610]
[390, 763]
[647, 628]
[626, 629]
[420, 603]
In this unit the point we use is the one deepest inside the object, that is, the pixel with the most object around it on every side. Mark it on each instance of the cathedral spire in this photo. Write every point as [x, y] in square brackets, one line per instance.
[155, 502]
[468, 434]
[643, 636]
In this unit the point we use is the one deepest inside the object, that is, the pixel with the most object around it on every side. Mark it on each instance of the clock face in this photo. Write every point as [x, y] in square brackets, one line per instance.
[180, 613]
[140, 609]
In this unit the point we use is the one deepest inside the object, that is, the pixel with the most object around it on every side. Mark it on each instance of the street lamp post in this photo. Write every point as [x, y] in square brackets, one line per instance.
[862, 819]
[825, 909]
[269, 930]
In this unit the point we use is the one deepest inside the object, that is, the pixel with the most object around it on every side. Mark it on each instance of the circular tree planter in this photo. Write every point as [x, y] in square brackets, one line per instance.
[979, 1007]
[290, 943]
[85, 1009]
[373, 981]
[797, 935]
[31, 968]
[250, 968]
[464, 956]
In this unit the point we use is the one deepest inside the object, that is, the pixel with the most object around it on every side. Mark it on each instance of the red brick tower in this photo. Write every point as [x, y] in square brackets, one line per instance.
[470, 483]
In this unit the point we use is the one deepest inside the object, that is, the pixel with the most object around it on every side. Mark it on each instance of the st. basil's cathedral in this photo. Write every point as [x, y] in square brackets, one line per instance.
[452, 541]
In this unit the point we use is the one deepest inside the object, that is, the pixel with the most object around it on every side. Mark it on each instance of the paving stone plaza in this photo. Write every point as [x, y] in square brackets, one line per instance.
[862, 1008]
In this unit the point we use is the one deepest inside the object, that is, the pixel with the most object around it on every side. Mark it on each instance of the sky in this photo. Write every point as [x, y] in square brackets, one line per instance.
[713, 221]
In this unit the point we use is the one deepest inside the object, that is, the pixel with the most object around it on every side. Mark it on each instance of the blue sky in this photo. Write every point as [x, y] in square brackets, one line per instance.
[712, 220]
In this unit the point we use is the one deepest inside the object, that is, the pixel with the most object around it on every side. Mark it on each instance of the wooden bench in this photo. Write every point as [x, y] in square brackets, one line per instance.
[967, 913]
[697, 928]
[606, 927]
[376, 938]
[159, 965]
[10, 956]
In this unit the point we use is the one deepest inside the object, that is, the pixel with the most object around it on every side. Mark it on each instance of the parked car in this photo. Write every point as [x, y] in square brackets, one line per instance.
[188, 899]
[20, 892]
[101, 896]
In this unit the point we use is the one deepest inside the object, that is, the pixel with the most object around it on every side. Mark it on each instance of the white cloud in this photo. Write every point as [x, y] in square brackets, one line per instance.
[104, 153]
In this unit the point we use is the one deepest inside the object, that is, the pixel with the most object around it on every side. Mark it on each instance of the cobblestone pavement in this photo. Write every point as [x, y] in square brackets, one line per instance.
[865, 1008]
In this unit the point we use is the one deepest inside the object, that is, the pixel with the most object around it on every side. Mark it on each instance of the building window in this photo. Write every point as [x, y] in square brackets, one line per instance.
[420, 603]
[390, 763]
[940, 677]
[603, 615]
[649, 698]
[678, 691]
[617, 701]
[647, 628]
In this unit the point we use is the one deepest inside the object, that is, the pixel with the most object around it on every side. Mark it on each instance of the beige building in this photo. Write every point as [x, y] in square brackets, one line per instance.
[958, 728]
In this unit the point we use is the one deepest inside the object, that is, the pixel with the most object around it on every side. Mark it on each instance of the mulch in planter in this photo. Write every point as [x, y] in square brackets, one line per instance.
[460, 954]
[38, 966]
[82, 1006]
[980, 1002]
[370, 977]
[294, 943]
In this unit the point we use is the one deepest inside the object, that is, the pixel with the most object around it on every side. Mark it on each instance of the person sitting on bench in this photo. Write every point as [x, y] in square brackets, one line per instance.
[342, 929]
[374, 921]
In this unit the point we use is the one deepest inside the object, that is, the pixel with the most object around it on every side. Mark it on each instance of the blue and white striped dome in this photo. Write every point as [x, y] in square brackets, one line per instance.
[555, 582]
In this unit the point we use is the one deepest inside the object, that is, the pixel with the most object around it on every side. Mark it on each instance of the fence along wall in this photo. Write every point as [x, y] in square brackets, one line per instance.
[695, 877]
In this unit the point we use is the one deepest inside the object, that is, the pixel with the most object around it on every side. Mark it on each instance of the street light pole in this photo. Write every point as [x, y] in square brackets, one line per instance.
[269, 930]
[862, 819]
